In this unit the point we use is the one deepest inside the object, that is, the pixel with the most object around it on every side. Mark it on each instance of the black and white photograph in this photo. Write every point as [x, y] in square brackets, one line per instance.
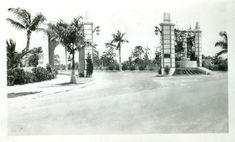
[85, 67]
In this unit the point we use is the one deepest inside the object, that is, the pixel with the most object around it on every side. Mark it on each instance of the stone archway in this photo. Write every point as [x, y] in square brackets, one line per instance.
[50, 45]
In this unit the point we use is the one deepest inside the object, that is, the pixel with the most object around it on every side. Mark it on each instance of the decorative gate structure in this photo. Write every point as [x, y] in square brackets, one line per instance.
[167, 41]
[50, 45]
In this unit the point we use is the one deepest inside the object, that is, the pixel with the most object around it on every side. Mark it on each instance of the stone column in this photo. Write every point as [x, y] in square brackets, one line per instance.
[45, 49]
[167, 44]
[198, 44]
[52, 44]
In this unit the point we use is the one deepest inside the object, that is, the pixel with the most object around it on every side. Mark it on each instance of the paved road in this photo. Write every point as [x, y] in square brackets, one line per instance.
[126, 103]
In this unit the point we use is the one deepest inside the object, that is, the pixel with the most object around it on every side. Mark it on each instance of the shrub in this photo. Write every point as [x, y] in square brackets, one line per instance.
[132, 67]
[214, 67]
[124, 67]
[116, 67]
[49, 68]
[81, 75]
[142, 67]
[10, 77]
[167, 70]
[41, 74]
[151, 68]
[223, 67]
[89, 70]
[110, 67]
[19, 76]
[30, 77]
[33, 60]
[159, 71]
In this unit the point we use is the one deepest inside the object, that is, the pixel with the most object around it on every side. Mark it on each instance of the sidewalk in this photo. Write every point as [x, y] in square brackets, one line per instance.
[60, 84]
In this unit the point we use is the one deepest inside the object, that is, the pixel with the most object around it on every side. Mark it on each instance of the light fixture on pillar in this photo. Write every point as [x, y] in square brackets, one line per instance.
[97, 30]
[157, 30]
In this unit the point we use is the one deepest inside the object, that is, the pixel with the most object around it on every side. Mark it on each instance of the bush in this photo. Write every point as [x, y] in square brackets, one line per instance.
[132, 67]
[167, 70]
[33, 60]
[159, 71]
[19, 76]
[116, 67]
[214, 67]
[142, 67]
[111, 67]
[44, 74]
[41, 73]
[151, 68]
[223, 67]
[89, 70]
[81, 75]
[124, 67]
[10, 77]
[30, 77]
[51, 69]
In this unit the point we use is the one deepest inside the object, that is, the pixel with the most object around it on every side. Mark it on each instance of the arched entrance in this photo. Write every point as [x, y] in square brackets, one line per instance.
[82, 53]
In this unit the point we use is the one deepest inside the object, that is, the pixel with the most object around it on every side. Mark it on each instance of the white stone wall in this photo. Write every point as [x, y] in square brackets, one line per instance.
[186, 64]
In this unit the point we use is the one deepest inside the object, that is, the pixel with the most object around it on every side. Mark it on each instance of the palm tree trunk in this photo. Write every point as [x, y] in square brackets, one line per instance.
[28, 40]
[73, 77]
[120, 61]
[66, 59]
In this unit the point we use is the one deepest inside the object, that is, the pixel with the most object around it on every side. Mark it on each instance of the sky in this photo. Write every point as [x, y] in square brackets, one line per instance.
[136, 18]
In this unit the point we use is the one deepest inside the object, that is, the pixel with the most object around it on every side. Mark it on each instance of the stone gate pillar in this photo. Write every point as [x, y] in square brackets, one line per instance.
[51, 48]
[43, 57]
[198, 44]
[167, 44]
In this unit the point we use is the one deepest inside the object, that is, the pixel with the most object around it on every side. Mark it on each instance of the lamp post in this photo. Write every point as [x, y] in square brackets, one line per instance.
[158, 30]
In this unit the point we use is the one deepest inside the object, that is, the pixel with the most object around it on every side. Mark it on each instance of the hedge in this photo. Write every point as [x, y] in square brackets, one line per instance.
[19, 76]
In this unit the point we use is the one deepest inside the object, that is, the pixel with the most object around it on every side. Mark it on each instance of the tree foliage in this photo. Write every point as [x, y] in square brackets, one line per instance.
[25, 22]
[119, 39]
[222, 43]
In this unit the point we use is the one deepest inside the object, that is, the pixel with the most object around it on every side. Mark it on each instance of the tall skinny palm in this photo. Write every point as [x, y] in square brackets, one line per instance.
[118, 38]
[222, 43]
[25, 22]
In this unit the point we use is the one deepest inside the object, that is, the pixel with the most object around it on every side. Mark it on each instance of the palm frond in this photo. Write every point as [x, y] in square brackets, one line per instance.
[222, 44]
[223, 34]
[16, 24]
[37, 20]
[122, 35]
[23, 15]
[77, 22]
[221, 52]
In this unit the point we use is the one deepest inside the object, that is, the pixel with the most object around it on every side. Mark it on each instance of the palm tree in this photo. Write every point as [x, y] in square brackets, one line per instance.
[119, 39]
[71, 36]
[80, 44]
[26, 22]
[222, 43]
[12, 56]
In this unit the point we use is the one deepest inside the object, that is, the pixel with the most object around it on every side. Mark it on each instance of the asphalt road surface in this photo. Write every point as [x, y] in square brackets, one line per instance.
[126, 103]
